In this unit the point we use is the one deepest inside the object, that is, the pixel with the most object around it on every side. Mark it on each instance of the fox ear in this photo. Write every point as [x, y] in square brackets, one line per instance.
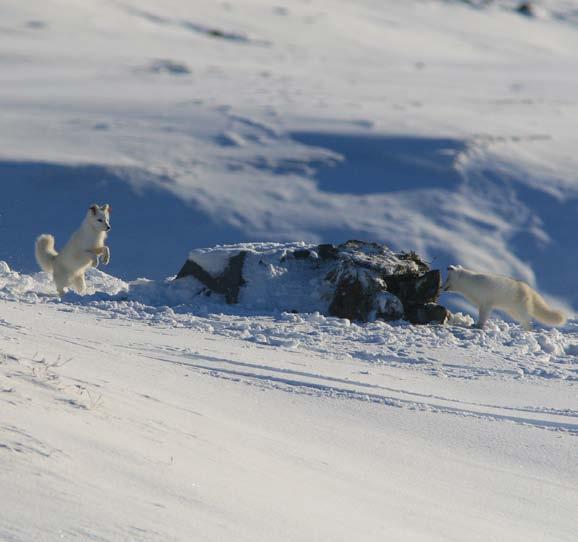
[107, 208]
[93, 208]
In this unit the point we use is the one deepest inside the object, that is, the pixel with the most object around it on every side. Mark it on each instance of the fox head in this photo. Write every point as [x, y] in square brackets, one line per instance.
[99, 217]
[453, 272]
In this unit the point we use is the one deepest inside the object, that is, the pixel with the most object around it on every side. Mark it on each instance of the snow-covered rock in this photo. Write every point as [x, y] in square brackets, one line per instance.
[355, 280]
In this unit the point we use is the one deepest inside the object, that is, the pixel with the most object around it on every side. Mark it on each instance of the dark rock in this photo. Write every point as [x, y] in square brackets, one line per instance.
[428, 313]
[327, 252]
[366, 272]
[227, 283]
[301, 254]
[412, 290]
[354, 298]
[526, 8]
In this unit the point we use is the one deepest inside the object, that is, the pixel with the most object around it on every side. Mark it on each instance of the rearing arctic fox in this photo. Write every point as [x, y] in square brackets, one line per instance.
[514, 297]
[81, 252]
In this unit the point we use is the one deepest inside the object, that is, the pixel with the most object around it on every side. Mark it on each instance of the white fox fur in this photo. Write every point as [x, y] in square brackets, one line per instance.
[488, 291]
[81, 252]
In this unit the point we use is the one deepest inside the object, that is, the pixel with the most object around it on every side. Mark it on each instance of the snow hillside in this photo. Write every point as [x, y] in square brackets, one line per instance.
[143, 411]
[446, 127]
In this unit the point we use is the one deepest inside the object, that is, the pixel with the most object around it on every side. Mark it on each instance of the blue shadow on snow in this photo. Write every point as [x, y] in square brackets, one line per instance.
[152, 229]
[378, 164]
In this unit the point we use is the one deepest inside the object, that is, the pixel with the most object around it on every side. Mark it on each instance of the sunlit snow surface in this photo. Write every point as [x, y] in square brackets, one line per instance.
[144, 397]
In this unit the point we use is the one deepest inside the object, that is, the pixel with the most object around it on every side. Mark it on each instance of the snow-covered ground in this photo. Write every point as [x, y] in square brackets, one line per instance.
[132, 416]
[144, 412]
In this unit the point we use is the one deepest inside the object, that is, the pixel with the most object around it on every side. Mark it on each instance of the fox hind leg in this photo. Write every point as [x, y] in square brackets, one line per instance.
[79, 284]
[523, 316]
[483, 315]
[525, 321]
[60, 281]
[526, 325]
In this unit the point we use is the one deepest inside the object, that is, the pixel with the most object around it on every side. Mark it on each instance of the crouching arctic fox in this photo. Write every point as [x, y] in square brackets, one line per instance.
[81, 252]
[488, 291]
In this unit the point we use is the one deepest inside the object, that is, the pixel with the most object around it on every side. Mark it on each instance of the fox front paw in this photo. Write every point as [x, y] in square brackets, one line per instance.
[105, 255]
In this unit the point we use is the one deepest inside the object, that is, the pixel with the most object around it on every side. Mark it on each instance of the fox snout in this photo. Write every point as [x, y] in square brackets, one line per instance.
[447, 284]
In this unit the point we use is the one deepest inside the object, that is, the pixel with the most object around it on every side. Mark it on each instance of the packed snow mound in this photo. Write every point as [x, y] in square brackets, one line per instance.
[31, 288]
[355, 280]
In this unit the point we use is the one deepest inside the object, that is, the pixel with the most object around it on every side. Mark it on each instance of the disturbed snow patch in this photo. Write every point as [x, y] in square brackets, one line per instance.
[31, 288]
[457, 350]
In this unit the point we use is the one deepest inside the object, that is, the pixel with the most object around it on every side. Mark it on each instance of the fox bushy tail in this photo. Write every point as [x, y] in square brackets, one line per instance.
[45, 252]
[543, 313]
